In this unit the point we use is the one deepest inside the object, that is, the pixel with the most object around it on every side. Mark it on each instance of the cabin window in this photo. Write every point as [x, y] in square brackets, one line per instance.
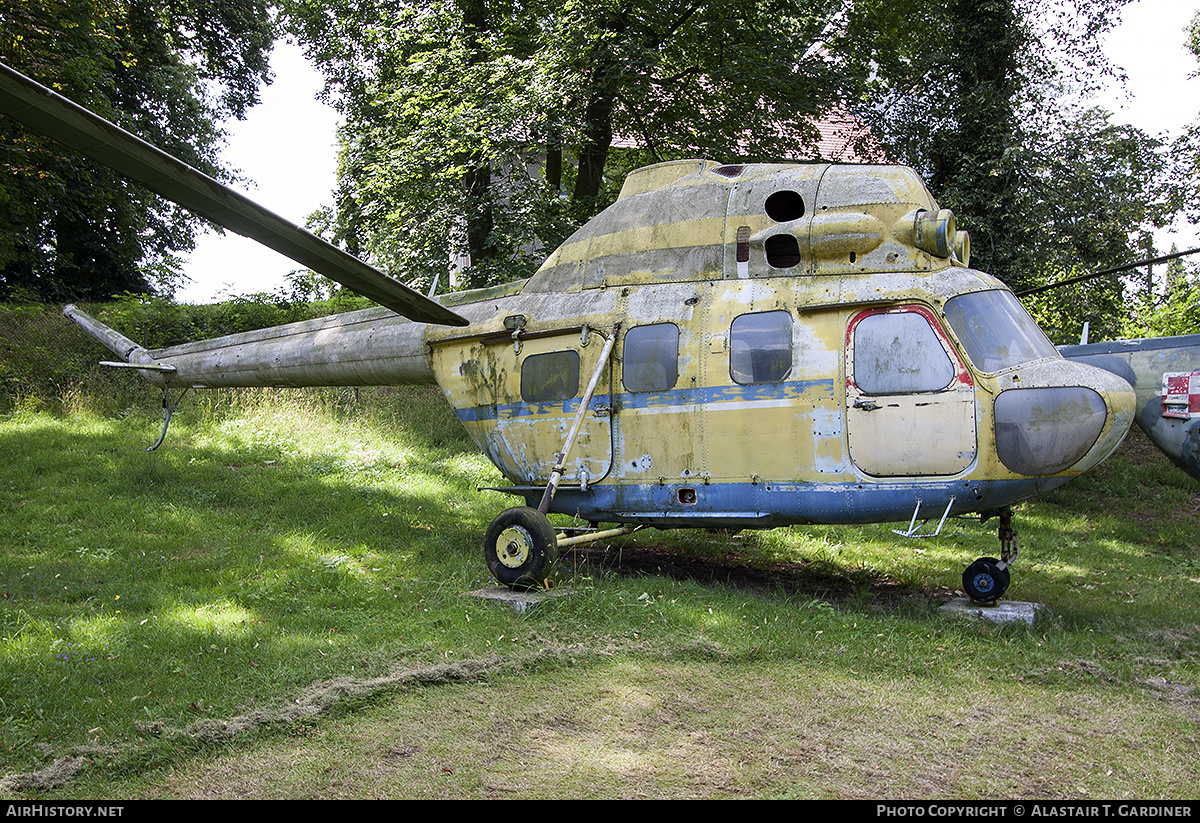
[651, 361]
[760, 347]
[996, 330]
[899, 353]
[550, 377]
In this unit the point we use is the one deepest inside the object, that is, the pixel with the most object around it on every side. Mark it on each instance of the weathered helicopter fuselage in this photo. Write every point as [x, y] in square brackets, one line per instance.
[793, 344]
[787, 353]
[725, 346]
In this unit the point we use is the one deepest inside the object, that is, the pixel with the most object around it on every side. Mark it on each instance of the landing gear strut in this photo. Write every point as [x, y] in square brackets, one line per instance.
[521, 544]
[987, 578]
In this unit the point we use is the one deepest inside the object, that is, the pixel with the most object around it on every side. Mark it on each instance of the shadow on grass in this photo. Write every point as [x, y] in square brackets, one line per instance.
[232, 568]
[816, 579]
[1122, 542]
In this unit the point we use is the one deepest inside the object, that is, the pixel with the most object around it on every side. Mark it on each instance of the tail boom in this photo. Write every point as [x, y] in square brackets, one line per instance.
[373, 347]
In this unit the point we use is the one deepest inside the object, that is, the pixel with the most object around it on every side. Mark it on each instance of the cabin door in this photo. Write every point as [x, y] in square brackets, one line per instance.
[546, 381]
[910, 402]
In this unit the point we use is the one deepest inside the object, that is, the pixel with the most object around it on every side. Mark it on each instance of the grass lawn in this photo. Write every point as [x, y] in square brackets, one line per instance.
[275, 604]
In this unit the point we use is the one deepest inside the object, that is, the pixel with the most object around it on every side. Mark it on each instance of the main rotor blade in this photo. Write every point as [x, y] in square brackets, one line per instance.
[1166, 258]
[43, 110]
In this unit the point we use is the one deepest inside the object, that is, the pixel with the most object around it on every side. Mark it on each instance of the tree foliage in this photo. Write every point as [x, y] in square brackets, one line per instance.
[1175, 311]
[168, 70]
[1172, 306]
[1187, 147]
[1101, 189]
[988, 102]
[485, 130]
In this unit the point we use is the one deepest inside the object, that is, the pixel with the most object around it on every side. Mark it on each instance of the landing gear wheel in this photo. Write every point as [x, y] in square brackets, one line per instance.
[983, 581]
[519, 547]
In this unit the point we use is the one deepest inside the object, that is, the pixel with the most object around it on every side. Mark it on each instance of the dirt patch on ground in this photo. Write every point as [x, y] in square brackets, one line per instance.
[314, 701]
[662, 728]
[58, 773]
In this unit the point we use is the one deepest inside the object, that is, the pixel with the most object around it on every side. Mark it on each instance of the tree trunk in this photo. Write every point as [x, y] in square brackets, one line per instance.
[478, 181]
[597, 140]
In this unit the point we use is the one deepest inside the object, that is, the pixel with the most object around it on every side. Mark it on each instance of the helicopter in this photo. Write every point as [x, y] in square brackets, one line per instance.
[1165, 375]
[726, 346]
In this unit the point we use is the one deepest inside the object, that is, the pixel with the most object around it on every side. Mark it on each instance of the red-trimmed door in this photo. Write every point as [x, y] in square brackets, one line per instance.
[910, 401]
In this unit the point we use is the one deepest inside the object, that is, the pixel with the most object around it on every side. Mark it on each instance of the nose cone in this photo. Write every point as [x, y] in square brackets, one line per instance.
[1059, 416]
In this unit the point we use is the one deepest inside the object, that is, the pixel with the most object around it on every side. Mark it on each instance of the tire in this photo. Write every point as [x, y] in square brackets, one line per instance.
[984, 582]
[520, 547]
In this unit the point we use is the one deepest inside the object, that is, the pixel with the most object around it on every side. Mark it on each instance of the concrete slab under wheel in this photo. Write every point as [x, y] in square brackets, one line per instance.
[1000, 613]
[519, 602]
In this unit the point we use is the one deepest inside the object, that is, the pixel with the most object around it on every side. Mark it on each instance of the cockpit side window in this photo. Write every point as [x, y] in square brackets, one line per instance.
[996, 330]
[899, 353]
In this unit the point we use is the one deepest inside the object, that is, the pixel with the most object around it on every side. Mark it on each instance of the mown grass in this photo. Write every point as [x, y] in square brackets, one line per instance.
[273, 605]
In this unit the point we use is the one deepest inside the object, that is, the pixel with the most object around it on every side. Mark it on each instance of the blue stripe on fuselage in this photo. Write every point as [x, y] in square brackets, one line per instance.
[789, 390]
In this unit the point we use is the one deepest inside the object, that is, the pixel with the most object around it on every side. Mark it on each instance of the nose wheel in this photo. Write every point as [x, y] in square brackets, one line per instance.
[986, 580]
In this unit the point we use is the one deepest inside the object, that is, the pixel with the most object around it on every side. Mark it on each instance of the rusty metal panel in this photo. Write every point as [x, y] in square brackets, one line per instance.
[481, 375]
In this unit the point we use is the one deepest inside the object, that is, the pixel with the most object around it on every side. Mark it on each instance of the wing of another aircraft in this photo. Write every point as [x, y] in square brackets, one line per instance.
[45, 111]
[1165, 374]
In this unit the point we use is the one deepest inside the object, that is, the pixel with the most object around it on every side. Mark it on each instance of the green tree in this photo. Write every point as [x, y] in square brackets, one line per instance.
[1186, 148]
[1176, 311]
[985, 100]
[1094, 197]
[1170, 305]
[487, 129]
[170, 71]
[977, 100]
[1174, 308]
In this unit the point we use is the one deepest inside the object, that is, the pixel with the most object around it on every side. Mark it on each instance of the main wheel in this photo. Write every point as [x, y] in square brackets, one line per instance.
[519, 547]
[984, 581]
